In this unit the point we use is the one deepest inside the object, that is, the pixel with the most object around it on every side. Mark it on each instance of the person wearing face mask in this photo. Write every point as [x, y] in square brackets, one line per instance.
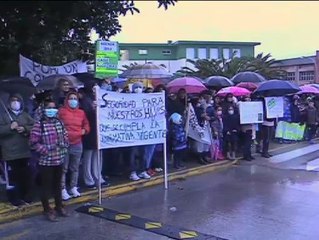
[137, 160]
[77, 125]
[231, 128]
[50, 140]
[217, 127]
[106, 85]
[15, 126]
[247, 134]
[228, 102]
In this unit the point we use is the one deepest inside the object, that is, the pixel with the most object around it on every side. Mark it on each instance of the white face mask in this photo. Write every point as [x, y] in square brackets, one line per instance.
[138, 90]
[15, 105]
[231, 112]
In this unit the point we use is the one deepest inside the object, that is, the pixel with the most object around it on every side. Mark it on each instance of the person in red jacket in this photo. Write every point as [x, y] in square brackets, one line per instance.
[77, 125]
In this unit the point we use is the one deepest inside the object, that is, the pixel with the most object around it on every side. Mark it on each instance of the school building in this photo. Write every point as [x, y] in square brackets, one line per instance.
[302, 70]
[173, 55]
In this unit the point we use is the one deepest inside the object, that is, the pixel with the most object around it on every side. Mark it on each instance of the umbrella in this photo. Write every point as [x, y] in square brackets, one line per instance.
[19, 85]
[191, 85]
[50, 82]
[315, 85]
[83, 77]
[308, 89]
[147, 71]
[119, 82]
[248, 85]
[247, 77]
[218, 81]
[236, 91]
[273, 88]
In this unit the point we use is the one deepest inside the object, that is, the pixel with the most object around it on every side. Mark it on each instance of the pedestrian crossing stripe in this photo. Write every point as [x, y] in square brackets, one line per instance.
[169, 231]
[187, 234]
[122, 217]
[151, 225]
[95, 209]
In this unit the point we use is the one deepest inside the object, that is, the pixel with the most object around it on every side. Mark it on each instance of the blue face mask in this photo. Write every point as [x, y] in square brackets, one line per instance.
[51, 112]
[73, 103]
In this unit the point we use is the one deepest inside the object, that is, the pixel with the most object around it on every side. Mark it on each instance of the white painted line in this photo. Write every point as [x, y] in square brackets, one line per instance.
[312, 165]
[294, 154]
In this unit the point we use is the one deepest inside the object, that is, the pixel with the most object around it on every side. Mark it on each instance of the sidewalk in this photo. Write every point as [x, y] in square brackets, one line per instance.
[119, 185]
[10, 213]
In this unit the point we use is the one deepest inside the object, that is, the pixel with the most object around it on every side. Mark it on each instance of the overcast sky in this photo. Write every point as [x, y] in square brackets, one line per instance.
[285, 29]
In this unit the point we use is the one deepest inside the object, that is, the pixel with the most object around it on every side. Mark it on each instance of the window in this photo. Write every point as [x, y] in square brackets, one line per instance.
[291, 76]
[202, 54]
[306, 76]
[124, 55]
[226, 54]
[190, 53]
[142, 52]
[166, 52]
[236, 53]
[213, 53]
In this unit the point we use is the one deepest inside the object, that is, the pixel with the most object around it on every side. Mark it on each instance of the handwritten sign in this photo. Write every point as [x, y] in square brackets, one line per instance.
[195, 131]
[106, 59]
[130, 119]
[274, 107]
[37, 71]
[251, 112]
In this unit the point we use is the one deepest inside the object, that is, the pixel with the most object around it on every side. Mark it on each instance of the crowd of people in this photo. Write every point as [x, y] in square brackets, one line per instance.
[53, 144]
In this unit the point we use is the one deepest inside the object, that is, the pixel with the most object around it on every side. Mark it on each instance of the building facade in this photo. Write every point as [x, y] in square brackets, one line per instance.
[301, 70]
[173, 55]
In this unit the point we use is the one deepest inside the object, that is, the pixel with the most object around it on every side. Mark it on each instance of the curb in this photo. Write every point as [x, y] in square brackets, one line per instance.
[9, 213]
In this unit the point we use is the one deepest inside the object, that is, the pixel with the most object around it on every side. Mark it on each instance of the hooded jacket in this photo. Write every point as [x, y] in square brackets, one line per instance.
[74, 121]
[15, 145]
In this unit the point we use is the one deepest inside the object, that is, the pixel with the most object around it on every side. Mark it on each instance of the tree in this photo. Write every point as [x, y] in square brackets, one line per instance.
[51, 32]
[261, 64]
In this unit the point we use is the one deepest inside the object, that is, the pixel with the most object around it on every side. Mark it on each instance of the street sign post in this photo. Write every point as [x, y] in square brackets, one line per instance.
[106, 59]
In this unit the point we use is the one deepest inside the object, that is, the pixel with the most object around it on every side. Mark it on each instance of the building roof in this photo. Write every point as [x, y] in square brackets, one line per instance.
[295, 61]
[182, 42]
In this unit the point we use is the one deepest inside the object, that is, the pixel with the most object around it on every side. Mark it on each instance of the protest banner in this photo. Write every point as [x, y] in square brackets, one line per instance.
[274, 107]
[290, 131]
[126, 120]
[251, 112]
[195, 131]
[106, 59]
[37, 71]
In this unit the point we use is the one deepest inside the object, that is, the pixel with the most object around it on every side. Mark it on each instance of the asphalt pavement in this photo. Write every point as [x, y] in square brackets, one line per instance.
[274, 198]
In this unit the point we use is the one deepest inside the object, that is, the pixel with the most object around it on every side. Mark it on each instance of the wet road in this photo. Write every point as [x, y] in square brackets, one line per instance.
[252, 201]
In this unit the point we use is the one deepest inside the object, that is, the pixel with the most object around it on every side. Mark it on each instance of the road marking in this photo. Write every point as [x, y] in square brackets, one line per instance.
[122, 217]
[96, 209]
[294, 154]
[188, 234]
[151, 225]
[169, 231]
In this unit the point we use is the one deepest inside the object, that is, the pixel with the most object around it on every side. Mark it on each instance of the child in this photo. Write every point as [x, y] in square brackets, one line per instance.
[217, 130]
[231, 129]
[178, 139]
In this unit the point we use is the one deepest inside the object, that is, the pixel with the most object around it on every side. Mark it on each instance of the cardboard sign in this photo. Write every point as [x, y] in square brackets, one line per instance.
[251, 112]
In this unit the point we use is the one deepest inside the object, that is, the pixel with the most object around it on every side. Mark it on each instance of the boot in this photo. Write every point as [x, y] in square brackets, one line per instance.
[233, 155]
[201, 159]
[207, 158]
[220, 155]
[228, 156]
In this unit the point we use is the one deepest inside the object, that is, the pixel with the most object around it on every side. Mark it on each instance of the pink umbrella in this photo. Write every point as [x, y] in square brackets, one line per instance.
[236, 91]
[190, 84]
[308, 89]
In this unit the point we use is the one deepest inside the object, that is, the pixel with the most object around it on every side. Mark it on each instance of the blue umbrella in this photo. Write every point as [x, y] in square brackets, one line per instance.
[273, 88]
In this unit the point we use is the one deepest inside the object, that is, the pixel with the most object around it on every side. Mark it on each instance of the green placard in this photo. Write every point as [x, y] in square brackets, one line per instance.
[106, 59]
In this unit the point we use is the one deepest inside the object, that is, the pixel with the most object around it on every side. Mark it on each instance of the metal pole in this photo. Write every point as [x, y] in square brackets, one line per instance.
[99, 159]
[165, 166]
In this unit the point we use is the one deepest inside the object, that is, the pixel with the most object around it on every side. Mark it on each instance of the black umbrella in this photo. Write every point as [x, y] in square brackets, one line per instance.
[84, 77]
[247, 77]
[19, 85]
[218, 81]
[273, 88]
